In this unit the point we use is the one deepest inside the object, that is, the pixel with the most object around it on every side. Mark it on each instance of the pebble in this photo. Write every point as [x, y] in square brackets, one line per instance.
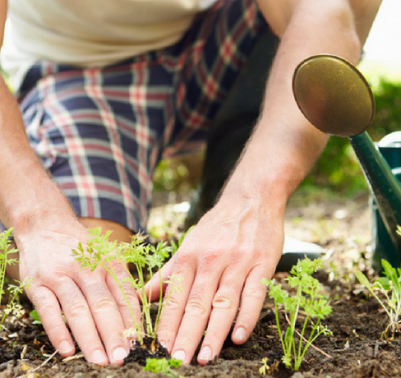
[368, 351]
[297, 375]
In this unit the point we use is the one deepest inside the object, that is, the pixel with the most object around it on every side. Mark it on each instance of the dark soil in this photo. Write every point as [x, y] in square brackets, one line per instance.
[151, 349]
[355, 349]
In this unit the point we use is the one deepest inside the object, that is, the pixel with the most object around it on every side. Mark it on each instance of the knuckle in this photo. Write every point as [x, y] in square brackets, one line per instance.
[129, 297]
[225, 299]
[44, 306]
[120, 270]
[257, 295]
[77, 309]
[238, 255]
[103, 305]
[209, 259]
[183, 259]
[196, 307]
[173, 303]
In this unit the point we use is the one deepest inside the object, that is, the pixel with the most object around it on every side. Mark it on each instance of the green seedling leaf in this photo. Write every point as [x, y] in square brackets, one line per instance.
[162, 365]
[34, 315]
[382, 283]
[362, 278]
[175, 363]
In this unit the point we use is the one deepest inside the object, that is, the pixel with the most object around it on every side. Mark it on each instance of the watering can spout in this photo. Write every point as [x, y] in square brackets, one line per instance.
[335, 97]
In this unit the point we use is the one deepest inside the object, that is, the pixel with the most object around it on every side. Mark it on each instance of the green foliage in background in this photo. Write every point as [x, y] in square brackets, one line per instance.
[170, 175]
[388, 109]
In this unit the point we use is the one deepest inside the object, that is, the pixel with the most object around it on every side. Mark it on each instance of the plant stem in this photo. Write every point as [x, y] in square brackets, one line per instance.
[113, 274]
[310, 341]
[301, 339]
[3, 270]
[9, 304]
[145, 304]
[160, 301]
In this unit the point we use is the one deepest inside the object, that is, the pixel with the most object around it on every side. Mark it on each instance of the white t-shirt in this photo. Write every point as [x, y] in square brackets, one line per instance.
[91, 32]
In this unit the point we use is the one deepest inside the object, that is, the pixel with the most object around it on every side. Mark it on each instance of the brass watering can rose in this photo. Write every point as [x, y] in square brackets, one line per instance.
[335, 97]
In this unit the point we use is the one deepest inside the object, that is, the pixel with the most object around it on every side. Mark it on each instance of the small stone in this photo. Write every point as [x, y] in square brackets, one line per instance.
[368, 351]
[297, 375]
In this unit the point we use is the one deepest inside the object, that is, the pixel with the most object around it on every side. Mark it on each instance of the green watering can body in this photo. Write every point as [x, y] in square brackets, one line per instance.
[382, 243]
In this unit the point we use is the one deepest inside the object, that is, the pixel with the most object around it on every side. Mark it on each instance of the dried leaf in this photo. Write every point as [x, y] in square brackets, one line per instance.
[25, 367]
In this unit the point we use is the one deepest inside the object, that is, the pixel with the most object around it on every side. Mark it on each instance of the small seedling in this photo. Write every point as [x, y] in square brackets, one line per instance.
[309, 300]
[390, 287]
[100, 251]
[13, 307]
[35, 317]
[162, 365]
[266, 368]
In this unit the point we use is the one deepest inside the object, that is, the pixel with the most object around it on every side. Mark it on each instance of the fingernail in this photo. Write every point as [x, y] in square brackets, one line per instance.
[240, 334]
[205, 354]
[179, 355]
[119, 354]
[65, 347]
[99, 358]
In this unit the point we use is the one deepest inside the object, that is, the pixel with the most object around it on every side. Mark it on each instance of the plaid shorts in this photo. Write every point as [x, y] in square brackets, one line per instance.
[100, 132]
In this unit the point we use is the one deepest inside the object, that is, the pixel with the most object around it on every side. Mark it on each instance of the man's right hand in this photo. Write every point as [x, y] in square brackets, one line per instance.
[46, 230]
[91, 302]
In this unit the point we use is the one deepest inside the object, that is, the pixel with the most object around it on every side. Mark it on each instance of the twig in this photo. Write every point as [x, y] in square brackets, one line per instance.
[45, 362]
[313, 346]
[75, 357]
[23, 353]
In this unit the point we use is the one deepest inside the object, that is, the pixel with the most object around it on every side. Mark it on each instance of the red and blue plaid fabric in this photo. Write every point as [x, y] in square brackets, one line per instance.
[101, 131]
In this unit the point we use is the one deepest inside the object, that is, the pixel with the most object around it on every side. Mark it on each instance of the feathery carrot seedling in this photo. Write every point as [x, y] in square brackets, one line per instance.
[308, 299]
[390, 287]
[100, 251]
[6, 250]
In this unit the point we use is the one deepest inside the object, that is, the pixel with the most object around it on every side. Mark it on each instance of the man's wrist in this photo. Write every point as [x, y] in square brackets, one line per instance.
[49, 209]
[270, 184]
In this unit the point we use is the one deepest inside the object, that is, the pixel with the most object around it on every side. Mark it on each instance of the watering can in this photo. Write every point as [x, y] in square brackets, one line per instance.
[335, 97]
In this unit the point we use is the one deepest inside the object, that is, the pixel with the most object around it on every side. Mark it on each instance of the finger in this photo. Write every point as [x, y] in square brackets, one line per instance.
[49, 311]
[196, 316]
[126, 299]
[153, 287]
[174, 303]
[224, 309]
[80, 321]
[107, 317]
[252, 299]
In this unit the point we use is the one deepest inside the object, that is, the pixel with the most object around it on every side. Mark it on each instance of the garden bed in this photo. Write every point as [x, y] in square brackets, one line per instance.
[355, 348]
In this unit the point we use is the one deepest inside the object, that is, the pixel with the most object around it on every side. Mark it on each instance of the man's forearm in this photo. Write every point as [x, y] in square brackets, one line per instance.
[27, 195]
[284, 146]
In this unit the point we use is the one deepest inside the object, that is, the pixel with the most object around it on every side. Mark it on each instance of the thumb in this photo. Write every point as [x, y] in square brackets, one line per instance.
[157, 283]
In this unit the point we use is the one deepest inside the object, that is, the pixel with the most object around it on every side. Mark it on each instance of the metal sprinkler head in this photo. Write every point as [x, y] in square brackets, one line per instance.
[333, 95]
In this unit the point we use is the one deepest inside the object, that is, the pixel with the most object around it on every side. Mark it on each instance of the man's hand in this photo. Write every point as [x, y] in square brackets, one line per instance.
[221, 261]
[91, 302]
